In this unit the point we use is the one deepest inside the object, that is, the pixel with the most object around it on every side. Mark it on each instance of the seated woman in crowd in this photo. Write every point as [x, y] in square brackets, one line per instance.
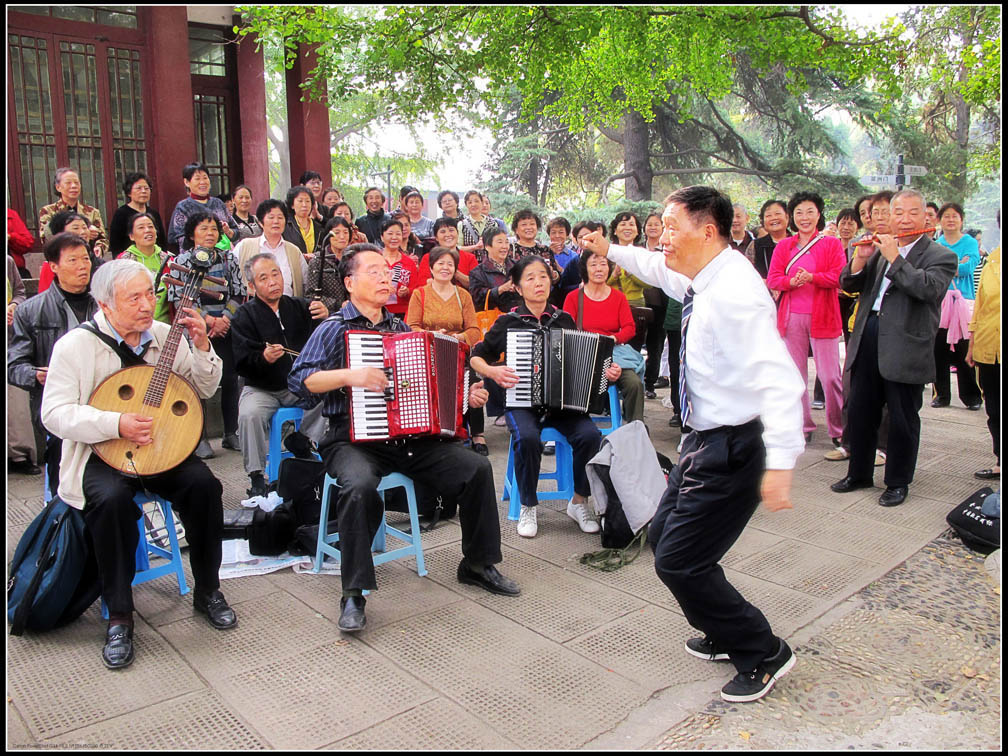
[75, 223]
[403, 272]
[303, 231]
[531, 277]
[570, 279]
[243, 222]
[68, 186]
[330, 197]
[145, 250]
[205, 230]
[526, 225]
[805, 268]
[272, 216]
[446, 235]
[474, 224]
[323, 271]
[411, 245]
[490, 282]
[599, 308]
[343, 210]
[137, 189]
[441, 305]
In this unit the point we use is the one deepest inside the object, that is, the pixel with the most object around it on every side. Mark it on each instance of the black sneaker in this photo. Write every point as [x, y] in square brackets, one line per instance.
[661, 383]
[752, 686]
[259, 487]
[705, 648]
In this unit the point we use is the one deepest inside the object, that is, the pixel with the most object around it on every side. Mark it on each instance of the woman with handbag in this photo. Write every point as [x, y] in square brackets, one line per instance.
[532, 278]
[599, 308]
[443, 306]
[805, 268]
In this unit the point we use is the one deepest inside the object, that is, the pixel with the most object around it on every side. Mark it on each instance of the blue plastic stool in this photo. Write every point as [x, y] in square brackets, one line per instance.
[144, 572]
[563, 474]
[325, 542]
[608, 423]
[276, 450]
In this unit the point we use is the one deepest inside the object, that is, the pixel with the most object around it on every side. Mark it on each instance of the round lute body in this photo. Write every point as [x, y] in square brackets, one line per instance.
[178, 420]
[155, 391]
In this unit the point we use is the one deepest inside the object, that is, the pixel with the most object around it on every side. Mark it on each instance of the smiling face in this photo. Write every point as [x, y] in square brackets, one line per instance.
[243, 201]
[374, 201]
[443, 269]
[274, 223]
[447, 236]
[449, 205]
[526, 230]
[315, 185]
[392, 236]
[626, 231]
[558, 234]
[806, 218]
[653, 228]
[143, 233]
[69, 188]
[199, 184]
[739, 221]
[775, 219]
[474, 204]
[498, 248]
[951, 221]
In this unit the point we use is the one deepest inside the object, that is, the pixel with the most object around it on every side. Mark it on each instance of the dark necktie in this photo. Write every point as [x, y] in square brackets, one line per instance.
[685, 407]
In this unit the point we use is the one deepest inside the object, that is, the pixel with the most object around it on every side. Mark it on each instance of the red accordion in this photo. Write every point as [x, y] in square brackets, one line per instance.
[428, 388]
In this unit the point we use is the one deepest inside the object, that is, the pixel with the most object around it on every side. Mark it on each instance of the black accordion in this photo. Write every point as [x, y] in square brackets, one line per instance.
[559, 368]
[428, 389]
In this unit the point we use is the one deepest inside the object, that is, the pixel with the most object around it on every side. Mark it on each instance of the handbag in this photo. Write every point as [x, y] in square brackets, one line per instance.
[486, 317]
[53, 576]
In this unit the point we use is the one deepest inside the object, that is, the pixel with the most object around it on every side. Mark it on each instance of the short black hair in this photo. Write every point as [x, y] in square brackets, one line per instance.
[438, 252]
[586, 255]
[388, 224]
[189, 170]
[64, 240]
[860, 201]
[559, 221]
[491, 232]
[799, 197]
[374, 189]
[342, 203]
[523, 263]
[339, 220]
[705, 203]
[525, 214]
[770, 203]
[442, 222]
[195, 219]
[308, 176]
[224, 197]
[470, 193]
[132, 178]
[63, 219]
[267, 205]
[952, 206]
[849, 213]
[622, 216]
[884, 196]
[933, 206]
[406, 190]
[295, 192]
[132, 221]
[444, 193]
[591, 225]
[348, 262]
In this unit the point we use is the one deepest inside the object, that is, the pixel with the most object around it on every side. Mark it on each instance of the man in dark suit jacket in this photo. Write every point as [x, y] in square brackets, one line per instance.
[890, 355]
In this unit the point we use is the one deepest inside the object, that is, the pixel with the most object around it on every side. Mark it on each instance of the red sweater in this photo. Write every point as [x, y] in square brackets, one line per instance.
[19, 238]
[405, 271]
[829, 259]
[610, 317]
[467, 261]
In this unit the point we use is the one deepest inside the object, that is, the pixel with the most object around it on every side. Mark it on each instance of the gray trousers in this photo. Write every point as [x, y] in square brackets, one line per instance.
[20, 431]
[255, 410]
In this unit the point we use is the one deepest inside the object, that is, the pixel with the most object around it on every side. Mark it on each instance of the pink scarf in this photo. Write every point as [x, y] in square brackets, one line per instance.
[956, 314]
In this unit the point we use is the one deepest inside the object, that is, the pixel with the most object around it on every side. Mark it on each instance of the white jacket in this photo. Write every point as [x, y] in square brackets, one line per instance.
[80, 362]
[634, 471]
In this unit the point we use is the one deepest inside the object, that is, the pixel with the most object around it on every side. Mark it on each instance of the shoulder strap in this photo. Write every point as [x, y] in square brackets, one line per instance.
[129, 358]
[580, 316]
[802, 251]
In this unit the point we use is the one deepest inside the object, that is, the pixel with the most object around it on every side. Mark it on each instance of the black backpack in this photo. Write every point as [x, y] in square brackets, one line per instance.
[53, 576]
[977, 530]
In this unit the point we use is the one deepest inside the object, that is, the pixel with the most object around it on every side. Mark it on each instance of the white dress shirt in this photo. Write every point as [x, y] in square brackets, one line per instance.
[279, 253]
[904, 251]
[737, 366]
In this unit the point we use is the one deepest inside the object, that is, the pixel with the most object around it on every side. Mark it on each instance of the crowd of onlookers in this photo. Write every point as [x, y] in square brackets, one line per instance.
[464, 255]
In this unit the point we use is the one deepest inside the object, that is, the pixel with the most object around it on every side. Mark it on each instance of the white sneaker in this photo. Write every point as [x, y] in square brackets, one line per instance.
[578, 511]
[527, 525]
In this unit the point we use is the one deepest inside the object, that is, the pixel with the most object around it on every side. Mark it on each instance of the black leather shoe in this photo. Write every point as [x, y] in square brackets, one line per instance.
[352, 619]
[650, 394]
[118, 651]
[259, 487]
[850, 484]
[939, 403]
[893, 496]
[975, 406]
[489, 579]
[661, 383]
[23, 467]
[216, 609]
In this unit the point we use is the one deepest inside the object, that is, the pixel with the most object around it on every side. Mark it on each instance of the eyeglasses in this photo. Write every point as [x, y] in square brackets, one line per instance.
[375, 274]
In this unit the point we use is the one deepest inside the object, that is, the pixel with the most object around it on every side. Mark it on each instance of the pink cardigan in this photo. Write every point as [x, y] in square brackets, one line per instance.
[830, 259]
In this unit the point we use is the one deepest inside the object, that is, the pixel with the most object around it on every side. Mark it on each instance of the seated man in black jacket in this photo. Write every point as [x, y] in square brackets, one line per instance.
[264, 332]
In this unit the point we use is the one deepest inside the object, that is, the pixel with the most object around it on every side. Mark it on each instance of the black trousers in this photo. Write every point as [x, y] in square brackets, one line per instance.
[111, 515]
[53, 455]
[945, 357]
[990, 384]
[441, 466]
[869, 392]
[526, 426]
[654, 340]
[711, 495]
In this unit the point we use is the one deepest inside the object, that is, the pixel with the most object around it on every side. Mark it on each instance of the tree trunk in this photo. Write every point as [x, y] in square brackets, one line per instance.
[636, 157]
[532, 184]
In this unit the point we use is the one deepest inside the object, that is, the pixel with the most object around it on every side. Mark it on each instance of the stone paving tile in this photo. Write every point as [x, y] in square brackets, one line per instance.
[557, 604]
[436, 725]
[538, 693]
[188, 722]
[784, 608]
[921, 514]
[54, 678]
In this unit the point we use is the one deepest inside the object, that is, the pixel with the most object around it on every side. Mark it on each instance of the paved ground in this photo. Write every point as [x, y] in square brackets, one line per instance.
[897, 631]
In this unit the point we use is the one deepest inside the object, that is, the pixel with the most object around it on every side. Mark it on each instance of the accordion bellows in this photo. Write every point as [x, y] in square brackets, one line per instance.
[559, 368]
[428, 391]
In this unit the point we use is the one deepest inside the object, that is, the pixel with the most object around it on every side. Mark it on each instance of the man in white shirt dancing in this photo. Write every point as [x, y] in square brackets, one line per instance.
[741, 408]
